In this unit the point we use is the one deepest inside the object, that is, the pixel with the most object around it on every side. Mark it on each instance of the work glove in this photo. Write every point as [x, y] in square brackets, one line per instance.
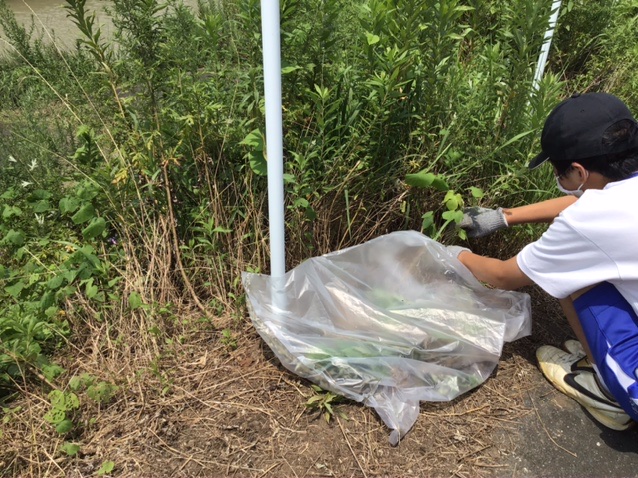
[481, 221]
[456, 250]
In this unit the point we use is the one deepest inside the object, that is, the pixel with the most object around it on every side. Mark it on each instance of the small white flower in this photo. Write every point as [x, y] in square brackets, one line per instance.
[24, 184]
[12, 159]
[33, 164]
[39, 218]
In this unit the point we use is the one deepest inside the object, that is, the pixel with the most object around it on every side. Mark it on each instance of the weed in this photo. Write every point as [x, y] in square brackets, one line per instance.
[323, 403]
[228, 339]
[106, 468]
[63, 405]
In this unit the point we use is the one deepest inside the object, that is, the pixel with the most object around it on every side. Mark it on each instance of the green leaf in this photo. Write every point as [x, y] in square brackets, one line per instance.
[514, 139]
[10, 211]
[372, 38]
[52, 371]
[15, 289]
[135, 301]
[41, 206]
[452, 204]
[314, 399]
[55, 282]
[15, 238]
[75, 383]
[258, 163]
[87, 191]
[257, 160]
[55, 416]
[64, 426]
[155, 331]
[423, 179]
[255, 139]
[440, 184]
[85, 214]
[71, 449]
[56, 397]
[420, 179]
[456, 216]
[90, 289]
[106, 468]
[428, 220]
[477, 193]
[289, 69]
[94, 229]
[68, 205]
[72, 401]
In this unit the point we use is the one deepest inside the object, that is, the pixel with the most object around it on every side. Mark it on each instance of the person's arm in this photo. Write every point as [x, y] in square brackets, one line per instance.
[495, 272]
[480, 221]
[544, 211]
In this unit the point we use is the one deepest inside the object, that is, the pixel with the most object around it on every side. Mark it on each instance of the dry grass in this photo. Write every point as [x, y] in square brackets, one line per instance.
[193, 402]
[202, 408]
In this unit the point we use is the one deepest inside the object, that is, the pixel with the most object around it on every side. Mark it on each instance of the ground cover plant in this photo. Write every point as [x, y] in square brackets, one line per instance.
[133, 191]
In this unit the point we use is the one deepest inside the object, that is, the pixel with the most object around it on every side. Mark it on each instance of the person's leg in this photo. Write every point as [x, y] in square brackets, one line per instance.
[567, 305]
[593, 314]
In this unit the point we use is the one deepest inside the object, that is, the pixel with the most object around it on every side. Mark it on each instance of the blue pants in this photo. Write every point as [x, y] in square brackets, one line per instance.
[611, 327]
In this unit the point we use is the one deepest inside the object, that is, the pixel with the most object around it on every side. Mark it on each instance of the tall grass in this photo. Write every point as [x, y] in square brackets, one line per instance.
[165, 122]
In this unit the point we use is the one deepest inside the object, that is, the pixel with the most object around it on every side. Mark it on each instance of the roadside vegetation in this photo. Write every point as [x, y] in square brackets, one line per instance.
[133, 188]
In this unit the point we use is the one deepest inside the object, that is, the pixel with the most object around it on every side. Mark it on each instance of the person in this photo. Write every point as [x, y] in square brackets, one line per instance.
[587, 257]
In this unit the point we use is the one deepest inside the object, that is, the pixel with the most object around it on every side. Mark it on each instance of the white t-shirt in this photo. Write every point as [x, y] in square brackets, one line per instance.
[593, 240]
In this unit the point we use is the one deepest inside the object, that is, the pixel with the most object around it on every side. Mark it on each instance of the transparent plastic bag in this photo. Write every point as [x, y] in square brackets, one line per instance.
[388, 323]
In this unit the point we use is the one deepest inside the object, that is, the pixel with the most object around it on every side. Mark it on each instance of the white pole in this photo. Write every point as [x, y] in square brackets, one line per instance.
[547, 43]
[271, 45]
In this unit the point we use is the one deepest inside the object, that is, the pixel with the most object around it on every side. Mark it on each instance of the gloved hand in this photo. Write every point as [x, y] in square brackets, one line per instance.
[481, 221]
[456, 250]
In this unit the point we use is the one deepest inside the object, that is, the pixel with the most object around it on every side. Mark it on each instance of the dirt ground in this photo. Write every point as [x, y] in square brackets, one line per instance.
[235, 411]
[242, 414]
[254, 422]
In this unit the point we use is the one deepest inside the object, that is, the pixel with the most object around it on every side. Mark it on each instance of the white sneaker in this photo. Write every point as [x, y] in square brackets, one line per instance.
[581, 385]
[574, 347]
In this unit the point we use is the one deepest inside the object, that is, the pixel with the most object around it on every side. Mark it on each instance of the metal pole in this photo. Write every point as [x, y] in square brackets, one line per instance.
[547, 43]
[271, 44]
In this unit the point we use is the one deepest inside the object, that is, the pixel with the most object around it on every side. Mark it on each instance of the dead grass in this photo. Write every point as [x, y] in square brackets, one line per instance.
[193, 403]
[201, 408]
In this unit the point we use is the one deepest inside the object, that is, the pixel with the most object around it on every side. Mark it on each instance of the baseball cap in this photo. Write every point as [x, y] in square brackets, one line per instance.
[574, 129]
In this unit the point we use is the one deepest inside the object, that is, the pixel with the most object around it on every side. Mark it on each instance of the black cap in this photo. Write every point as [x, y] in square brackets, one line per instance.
[574, 129]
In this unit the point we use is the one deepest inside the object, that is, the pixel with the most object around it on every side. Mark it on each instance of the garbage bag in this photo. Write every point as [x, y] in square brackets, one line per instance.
[388, 323]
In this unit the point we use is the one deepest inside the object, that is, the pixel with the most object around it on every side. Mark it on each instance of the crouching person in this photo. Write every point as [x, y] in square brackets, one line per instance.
[587, 257]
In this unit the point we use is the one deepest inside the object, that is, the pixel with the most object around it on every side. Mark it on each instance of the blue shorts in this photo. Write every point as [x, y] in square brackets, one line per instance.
[611, 327]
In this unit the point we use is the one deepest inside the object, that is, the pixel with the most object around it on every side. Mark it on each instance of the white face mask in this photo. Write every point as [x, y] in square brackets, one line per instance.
[575, 192]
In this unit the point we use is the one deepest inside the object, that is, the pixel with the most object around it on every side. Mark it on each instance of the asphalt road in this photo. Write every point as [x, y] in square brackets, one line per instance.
[561, 440]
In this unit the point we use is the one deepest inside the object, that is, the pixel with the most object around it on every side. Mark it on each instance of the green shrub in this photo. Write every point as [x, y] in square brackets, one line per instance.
[153, 138]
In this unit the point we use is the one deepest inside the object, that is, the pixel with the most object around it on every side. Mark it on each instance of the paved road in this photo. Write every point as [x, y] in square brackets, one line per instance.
[562, 441]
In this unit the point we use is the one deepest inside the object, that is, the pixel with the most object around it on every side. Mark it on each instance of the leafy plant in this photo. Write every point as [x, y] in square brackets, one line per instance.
[228, 339]
[323, 403]
[106, 468]
[63, 405]
[70, 449]
[97, 390]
